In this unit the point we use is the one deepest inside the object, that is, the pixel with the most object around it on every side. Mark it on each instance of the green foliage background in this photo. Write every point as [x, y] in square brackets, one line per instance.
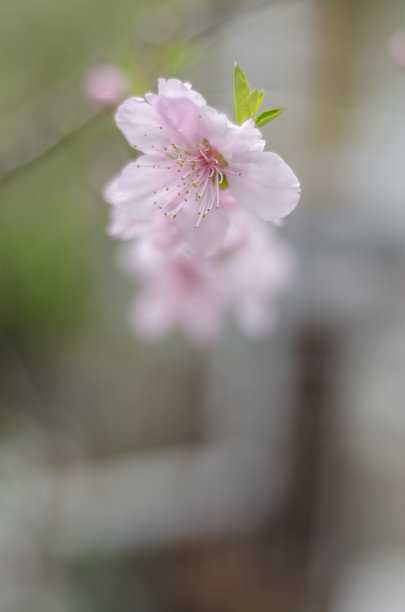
[56, 151]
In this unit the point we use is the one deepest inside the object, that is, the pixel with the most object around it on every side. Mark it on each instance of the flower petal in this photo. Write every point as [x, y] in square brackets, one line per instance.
[123, 226]
[137, 185]
[143, 126]
[209, 235]
[238, 143]
[266, 188]
[110, 191]
[148, 316]
[182, 117]
[175, 89]
[186, 113]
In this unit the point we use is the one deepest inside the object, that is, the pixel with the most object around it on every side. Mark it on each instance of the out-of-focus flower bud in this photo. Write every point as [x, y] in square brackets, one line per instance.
[396, 48]
[105, 85]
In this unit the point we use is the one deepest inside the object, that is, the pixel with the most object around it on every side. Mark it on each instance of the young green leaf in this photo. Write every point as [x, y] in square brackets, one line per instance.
[267, 116]
[258, 101]
[241, 91]
[252, 102]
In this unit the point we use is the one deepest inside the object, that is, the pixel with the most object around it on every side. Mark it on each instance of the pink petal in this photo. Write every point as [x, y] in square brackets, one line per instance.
[148, 316]
[209, 235]
[110, 191]
[238, 143]
[136, 186]
[175, 89]
[266, 188]
[182, 118]
[123, 226]
[143, 126]
[187, 114]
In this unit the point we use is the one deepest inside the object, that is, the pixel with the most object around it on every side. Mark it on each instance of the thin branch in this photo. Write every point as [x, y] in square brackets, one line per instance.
[38, 121]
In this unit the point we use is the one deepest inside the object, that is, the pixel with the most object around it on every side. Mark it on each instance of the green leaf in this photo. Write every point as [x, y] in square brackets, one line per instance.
[252, 102]
[241, 91]
[267, 116]
[258, 101]
[247, 101]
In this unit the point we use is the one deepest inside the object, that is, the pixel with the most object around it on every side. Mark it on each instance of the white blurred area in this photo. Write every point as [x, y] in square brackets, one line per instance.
[375, 583]
[297, 443]
[158, 500]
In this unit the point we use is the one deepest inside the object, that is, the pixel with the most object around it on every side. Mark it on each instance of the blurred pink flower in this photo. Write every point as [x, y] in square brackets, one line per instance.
[396, 48]
[122, 225]
[190, 152]
[105, 85]
[178, 289]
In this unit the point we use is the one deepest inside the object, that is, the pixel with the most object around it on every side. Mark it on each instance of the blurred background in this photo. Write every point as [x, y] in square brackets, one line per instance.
[251, 476]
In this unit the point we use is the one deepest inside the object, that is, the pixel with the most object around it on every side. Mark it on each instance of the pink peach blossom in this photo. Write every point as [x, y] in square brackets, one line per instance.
[105, 85]
[178, 289]
[190, 152]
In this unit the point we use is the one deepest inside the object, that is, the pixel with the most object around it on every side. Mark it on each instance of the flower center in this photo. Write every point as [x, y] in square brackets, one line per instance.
[200, 174]
[211, 156]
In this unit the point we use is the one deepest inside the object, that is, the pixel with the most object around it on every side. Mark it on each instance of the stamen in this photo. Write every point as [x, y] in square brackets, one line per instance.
[202, 170]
